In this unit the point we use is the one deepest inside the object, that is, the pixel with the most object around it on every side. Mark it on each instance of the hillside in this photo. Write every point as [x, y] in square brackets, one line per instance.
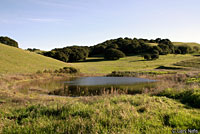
[98, 65]
[192, 44]
[15, 60]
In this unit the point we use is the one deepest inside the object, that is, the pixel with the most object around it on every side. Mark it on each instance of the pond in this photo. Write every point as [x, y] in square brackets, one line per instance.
[88, 86]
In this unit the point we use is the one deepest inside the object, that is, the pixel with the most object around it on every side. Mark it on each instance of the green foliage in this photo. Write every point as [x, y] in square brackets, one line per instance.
[147, 57]
[108, 114]
[136, 74]
[69, 54]
[38, 51]
[154, 56]
[8, 41]
[60, 56]
[113, 54]
[190, 97]
[193, 80]
[70, 70]
[134, 46]
[151, 57]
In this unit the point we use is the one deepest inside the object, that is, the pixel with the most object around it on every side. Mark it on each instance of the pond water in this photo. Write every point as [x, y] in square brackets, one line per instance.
[88, 86]
[99, 81]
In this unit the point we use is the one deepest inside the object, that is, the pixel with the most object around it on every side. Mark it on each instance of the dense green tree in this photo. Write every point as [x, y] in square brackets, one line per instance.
[147, 57]
[8, 41]
[49, 54]
[59, 55]
[184, 49]
[196, 49]
[113, 54]
[154, 56]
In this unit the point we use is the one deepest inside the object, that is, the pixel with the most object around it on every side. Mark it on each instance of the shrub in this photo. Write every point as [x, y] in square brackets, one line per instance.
[156, 52]
[113, 54]
[184, 49]
[70, 70]
[8, 41]
[154, 56]
[61, 56]
[147, 57]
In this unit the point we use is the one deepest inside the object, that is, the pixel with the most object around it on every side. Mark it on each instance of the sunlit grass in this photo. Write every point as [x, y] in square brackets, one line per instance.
[16, 60]
[106, 114]
[132, 63]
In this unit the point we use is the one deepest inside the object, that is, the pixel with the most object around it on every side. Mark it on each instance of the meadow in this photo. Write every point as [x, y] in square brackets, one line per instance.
[131, 63]
[15, 60]
[172, 105]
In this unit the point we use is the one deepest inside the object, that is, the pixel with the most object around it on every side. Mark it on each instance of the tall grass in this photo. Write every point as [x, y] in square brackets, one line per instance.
[107, 114]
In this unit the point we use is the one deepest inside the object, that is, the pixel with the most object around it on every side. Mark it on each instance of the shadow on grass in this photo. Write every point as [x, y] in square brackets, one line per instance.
[91, 60]
[197, 55]
[170, 68]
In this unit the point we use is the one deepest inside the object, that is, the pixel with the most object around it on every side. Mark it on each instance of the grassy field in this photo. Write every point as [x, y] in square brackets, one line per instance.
[124, 114]
[15, 60]
[173, 104]
[192, 44]
[132, 63]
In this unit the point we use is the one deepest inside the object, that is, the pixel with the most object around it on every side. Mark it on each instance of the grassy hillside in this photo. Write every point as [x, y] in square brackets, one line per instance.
[15, 60]
[132, 63]
[192, 44]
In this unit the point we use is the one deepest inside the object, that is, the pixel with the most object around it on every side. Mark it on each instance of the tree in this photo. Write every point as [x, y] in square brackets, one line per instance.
[154, 56]
[147, 57]
[184, 49]
[113, 54]
[8, 41]
[61, 56]
[196, 48]
[49, 54]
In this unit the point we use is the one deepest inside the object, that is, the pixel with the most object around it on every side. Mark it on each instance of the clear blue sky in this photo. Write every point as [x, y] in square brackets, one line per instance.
[48, 24]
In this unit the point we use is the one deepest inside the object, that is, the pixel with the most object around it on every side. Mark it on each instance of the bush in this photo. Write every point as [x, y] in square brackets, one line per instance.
[154, 56]
[155, 52]
[8, 41]
[113, 54]
[61, 56]
[184, 49]
[147, 57]
[70, 70]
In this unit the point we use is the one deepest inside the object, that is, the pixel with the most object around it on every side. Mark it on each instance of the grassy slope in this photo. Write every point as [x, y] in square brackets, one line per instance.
[123, 114]
[15, 60]
[132, 63]
[192, 44]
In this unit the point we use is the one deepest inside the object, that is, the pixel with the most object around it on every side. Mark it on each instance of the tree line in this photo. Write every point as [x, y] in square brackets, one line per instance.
[69, 54]
[113, 49]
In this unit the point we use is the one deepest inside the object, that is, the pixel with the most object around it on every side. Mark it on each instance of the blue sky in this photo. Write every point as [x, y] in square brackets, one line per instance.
[48, 24]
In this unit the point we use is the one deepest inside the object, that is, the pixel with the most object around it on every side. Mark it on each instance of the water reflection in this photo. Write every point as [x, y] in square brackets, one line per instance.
[88, 86]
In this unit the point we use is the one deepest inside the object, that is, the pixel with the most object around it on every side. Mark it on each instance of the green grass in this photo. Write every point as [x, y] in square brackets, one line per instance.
[15, 60]
[191, 44]
[122, 114]
[132, 63]
[194, 63]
